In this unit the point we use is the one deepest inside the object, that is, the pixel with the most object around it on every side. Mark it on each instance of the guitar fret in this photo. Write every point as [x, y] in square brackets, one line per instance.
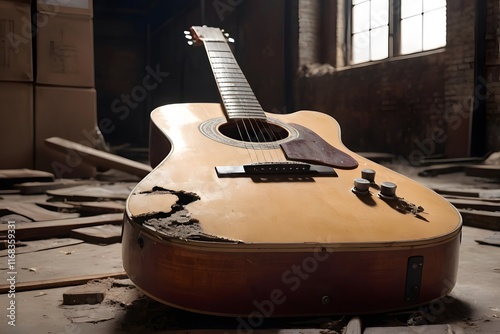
[229, 80]
[225, 84]
[243, 106]
[244, 95]
[222, 74]
[216, 54]
[261, 116]
[215, 61]
[248, 95]
[238, 100]
[229, 69]
[225, 69]
[254, 107]
[230, 90]
[243, 112]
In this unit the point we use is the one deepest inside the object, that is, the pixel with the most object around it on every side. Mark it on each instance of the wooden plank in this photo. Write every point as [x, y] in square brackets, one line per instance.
[99, 207]
[442, 169]
[102, 234]
[487, 171]
[29, 188]
[490, 200]
[86, 294]
[427, 329]
[9, 177]
[117, 191]
[58, 228]
[467, 192]
[13, 218]
[429, 162]
[481, 219]
[41, 245]
[57, 206]
[493, 240]
[60, 282]
[33, 211]
[474, 204]
[99, 158]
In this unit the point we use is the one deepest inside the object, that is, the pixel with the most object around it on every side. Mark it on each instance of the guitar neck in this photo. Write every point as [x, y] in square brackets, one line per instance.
[237, 95]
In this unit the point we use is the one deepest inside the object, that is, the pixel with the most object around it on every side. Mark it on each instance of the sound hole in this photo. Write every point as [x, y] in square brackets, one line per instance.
[253, 131]
[271, 133]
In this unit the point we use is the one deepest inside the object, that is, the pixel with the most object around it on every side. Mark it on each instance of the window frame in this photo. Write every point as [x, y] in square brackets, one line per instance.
[394, 34]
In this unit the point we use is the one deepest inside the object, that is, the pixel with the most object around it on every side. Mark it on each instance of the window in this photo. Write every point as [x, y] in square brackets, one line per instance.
[380, 29]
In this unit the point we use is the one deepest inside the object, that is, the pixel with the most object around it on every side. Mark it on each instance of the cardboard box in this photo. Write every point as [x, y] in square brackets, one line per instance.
[75, 7]
[16, 125]
[16, 62]
[65, 51]
[69, 113]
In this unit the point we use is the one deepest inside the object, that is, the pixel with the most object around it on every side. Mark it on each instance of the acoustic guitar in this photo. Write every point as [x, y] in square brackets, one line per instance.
[253, 214]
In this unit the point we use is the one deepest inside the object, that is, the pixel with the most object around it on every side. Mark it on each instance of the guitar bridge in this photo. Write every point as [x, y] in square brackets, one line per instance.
[275, 169]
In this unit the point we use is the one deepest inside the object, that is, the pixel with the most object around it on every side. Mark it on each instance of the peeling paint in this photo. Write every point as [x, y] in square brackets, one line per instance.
[401, 205]
[175, 223]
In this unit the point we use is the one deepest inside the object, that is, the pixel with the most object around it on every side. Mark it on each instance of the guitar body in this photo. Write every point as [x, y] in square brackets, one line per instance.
[280, 245]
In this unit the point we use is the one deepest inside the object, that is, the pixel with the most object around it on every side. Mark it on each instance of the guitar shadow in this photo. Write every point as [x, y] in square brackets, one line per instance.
[146, 314]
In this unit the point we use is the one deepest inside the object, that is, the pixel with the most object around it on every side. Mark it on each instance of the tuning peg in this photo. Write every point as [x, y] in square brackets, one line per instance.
[190, 42]
[188, 37]
[187, 32]
[230, 40]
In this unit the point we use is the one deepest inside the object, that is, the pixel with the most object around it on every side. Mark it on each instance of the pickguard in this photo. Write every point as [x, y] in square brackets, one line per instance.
[311, 148]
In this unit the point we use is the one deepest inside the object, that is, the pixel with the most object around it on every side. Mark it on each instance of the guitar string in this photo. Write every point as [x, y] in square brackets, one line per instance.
[262, 126]
[257, 127]
[213, 47]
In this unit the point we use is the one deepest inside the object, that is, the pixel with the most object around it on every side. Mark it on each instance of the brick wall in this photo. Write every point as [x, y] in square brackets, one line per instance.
[411, 106]
[459, 75]
[493, 76]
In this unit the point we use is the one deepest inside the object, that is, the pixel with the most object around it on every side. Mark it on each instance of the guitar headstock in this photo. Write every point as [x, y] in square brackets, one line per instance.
[197, 34]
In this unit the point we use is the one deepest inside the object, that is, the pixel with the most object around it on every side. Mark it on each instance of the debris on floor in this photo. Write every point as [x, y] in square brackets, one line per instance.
[68, 242]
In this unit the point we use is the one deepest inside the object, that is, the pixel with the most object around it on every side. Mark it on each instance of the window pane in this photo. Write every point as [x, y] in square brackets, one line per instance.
[360, 47]
[361, 17]
[410, 8]
[355, 2]
[411, 35]
[379, 43]
[379, 13]
[434, 29]
[433, 4]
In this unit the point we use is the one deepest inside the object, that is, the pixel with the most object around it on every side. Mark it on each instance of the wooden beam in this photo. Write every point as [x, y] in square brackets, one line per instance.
[30, 188]
[487, 171]
[99, 158]
[60, 282]
[33, 211]
[475, 204]
[482, 219]
[9, 177]
[58, 228]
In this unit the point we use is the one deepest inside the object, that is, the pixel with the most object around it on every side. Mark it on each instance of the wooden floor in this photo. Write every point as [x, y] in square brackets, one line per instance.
[69, 236]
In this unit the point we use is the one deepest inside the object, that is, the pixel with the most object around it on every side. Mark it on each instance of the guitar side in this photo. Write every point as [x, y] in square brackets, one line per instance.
[307, 248]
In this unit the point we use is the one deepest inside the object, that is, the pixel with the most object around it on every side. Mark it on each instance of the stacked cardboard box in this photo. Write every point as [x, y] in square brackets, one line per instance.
[65, 97]
[16, 85]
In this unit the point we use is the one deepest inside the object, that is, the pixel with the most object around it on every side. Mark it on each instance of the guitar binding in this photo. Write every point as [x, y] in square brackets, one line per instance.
[211, 129]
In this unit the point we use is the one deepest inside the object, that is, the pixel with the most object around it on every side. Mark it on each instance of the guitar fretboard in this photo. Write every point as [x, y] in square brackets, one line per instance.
[237, 95]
